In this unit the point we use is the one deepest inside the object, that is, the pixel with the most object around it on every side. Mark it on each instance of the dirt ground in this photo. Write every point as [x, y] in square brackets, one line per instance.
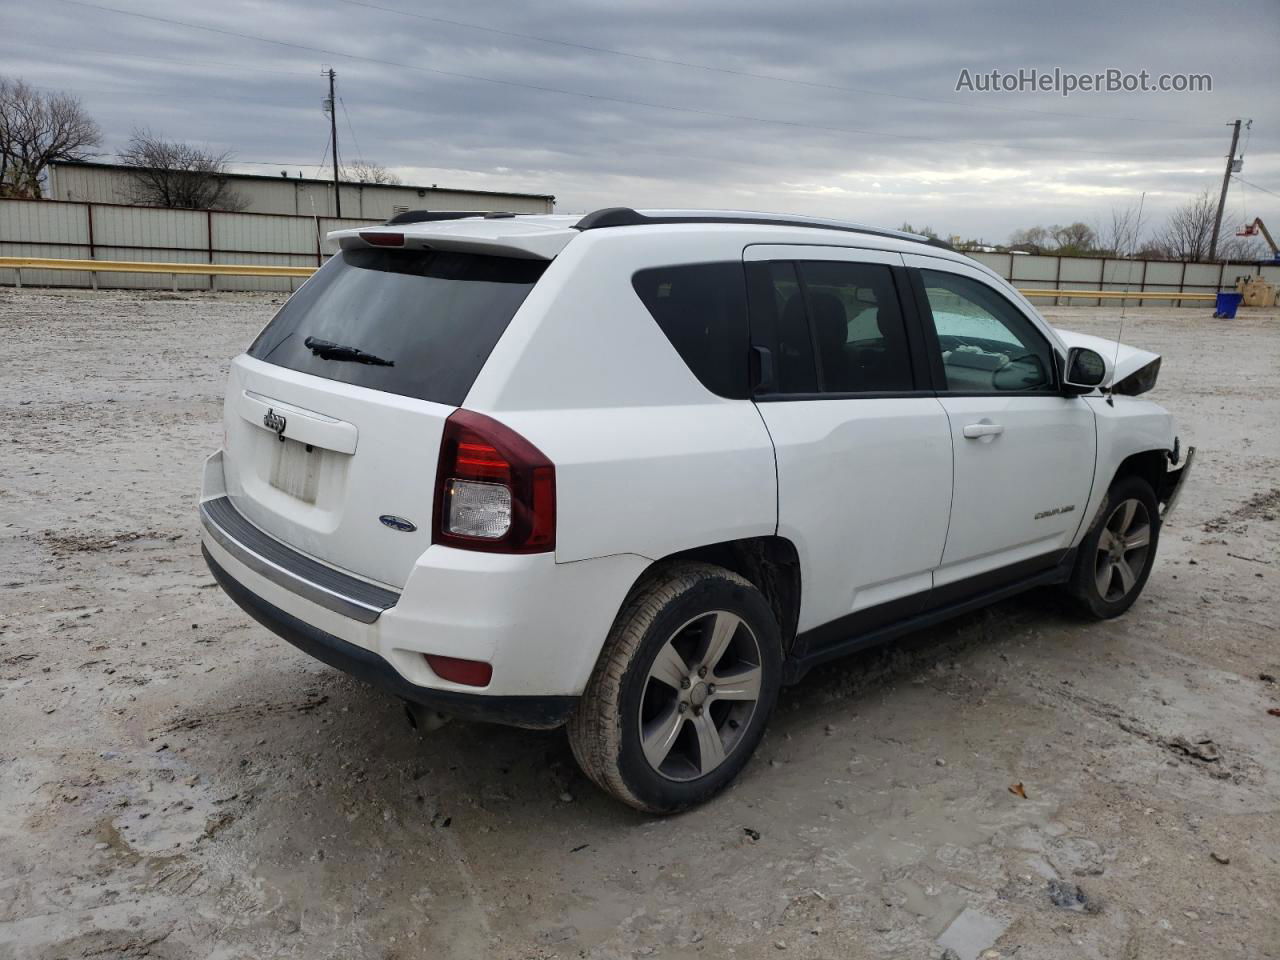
[177, 782]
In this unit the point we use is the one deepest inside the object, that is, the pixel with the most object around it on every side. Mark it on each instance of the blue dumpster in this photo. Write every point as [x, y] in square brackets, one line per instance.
[1224, 307]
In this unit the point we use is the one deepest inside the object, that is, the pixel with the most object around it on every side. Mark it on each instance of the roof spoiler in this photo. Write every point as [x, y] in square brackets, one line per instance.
[427, 216]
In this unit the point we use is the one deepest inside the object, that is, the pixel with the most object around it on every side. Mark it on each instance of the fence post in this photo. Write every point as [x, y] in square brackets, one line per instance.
[1102, 280]
[93, 250]
[208, 227]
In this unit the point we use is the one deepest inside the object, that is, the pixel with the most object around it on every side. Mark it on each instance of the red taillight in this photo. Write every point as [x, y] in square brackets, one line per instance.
[495, 491]
[383, 239]
[472, 673]
[477, 460]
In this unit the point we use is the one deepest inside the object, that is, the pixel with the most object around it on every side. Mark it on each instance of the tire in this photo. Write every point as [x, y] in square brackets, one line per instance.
[1111, 570]
[648, 715]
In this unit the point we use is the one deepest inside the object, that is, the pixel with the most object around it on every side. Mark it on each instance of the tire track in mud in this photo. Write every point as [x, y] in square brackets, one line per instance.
[1200, 752]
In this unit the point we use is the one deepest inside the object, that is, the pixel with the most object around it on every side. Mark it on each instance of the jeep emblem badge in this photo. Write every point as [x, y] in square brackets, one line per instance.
[398, 523]
[273, 421]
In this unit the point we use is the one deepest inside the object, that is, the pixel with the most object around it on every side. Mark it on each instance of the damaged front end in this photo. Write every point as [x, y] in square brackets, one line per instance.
[1131, 372]
[1140, 381]
[1175, 477]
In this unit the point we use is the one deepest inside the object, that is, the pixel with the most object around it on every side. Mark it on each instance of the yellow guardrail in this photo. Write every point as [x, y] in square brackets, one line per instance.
[255, 270]
[132, 266]
[1117, 295]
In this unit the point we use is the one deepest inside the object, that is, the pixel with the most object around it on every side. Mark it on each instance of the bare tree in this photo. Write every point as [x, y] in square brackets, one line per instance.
[1186, 235]
[1073, 240]
[367, 171]
[1152, 249]
[37, 129]
[1030, 240]
[170, 173]
[1117, 236]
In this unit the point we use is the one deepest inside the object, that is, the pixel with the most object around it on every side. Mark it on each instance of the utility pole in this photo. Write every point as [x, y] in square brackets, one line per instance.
[332, 105]
[1222, 198]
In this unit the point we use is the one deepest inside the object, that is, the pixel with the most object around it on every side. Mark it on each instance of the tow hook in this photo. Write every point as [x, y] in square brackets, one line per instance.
[422, 719]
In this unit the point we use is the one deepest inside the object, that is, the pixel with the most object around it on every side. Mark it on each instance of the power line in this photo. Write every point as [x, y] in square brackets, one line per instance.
[758, 76]
[694, 111]
[124, 91]
[63, 48]
[323, 153]
[1249, 183]
[351, 130]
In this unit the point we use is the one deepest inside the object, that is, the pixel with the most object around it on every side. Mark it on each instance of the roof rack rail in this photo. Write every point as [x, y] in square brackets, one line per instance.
[627, 217]
[427, 216]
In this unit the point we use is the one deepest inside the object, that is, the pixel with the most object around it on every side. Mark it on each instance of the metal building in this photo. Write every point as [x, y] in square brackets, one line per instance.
[297, 196]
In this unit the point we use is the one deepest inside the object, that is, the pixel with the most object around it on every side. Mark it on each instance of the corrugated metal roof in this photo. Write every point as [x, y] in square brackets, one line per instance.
[120, 168]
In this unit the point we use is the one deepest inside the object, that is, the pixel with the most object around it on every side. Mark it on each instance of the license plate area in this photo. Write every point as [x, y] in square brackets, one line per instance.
[295, 469]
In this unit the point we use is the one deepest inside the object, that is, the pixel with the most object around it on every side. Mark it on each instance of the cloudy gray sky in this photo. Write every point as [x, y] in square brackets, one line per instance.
[845, 109]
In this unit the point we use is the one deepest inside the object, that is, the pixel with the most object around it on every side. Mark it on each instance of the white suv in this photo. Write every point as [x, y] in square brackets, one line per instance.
[634, 472]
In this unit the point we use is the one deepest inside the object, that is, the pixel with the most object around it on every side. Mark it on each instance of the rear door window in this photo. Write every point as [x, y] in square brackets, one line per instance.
[839, 327]
[434, 316]
[702, 309]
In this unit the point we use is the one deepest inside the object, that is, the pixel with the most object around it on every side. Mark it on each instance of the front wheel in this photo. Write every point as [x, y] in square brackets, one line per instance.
[683, 689]
[1116, 555]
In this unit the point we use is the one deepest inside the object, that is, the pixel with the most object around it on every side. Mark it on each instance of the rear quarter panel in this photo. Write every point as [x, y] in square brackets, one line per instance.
[648, 461]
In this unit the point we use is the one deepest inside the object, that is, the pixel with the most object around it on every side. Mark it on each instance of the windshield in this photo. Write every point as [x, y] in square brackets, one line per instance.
[433, 316]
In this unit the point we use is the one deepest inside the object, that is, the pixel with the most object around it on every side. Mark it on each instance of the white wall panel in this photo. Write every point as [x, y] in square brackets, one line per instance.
[144, 227]
[37, 221]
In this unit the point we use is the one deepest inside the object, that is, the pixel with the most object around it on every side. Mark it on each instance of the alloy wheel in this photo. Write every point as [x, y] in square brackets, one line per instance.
[1123, 550]
[700, 695]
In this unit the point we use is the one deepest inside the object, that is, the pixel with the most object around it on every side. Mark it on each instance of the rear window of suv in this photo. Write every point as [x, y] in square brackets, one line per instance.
[434, 315]
[702, 308]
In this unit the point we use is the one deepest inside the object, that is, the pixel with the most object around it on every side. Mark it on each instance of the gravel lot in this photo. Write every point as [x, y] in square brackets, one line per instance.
[176, 782]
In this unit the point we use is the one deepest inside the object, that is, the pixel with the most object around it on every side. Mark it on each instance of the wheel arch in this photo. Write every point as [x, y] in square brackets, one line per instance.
[1148, 465]
[770, 563]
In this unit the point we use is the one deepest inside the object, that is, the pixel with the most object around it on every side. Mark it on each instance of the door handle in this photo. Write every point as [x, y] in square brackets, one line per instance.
[976, 431]
[763, 371]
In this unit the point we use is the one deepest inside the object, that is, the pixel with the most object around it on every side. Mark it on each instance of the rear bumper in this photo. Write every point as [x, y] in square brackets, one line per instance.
[520, 711]
[290, 569]
[538, 623]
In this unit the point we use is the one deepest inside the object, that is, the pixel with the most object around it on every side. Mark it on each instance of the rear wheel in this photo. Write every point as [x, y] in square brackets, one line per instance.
[1116, 555]
[683, 689]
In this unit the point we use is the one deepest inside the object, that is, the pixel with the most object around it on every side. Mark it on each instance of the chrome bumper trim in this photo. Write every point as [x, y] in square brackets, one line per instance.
[287, 568]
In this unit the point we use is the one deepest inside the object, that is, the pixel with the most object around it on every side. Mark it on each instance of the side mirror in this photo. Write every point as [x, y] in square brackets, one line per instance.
[1085, 371]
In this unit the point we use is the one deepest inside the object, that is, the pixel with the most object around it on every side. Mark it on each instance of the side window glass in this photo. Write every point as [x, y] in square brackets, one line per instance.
[702, 309]
[795, 370]
[987, 344]
[857, 328]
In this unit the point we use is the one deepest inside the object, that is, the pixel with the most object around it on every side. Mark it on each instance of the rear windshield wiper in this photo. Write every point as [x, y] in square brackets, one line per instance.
[339, 351]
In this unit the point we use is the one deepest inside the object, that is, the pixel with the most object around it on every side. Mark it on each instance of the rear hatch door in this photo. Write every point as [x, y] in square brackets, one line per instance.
[334, 415]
